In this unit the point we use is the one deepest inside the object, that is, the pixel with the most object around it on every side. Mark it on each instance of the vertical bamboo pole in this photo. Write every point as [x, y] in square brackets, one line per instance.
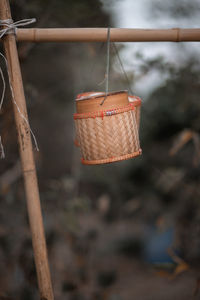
[27, 161]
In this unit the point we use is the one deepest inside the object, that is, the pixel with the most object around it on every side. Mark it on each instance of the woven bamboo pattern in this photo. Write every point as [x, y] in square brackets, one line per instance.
[108, 137]
[137, 115]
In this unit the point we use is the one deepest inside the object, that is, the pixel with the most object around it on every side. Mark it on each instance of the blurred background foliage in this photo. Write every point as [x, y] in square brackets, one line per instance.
[106, 226]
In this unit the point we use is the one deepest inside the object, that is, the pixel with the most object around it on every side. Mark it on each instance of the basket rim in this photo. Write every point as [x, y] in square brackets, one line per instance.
[111, 159]
[137, 100]
[104, 113]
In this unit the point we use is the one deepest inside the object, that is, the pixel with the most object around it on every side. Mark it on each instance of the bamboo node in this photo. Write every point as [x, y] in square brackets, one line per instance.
[177, 39]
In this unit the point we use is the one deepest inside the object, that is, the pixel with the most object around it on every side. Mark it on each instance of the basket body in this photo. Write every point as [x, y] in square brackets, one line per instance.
[109, 132]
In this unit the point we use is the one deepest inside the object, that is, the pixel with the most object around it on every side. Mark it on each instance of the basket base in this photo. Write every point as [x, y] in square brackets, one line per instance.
[111, 159]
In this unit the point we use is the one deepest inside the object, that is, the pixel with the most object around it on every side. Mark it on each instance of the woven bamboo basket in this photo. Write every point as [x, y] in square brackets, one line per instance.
[136, 101]
[109, 132]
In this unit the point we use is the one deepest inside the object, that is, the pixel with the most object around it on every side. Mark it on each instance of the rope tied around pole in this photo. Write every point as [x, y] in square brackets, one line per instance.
[10, 28]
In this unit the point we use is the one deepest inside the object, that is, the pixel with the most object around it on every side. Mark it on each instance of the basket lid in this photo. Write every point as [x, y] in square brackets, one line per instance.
[88, 95]
[91, 101]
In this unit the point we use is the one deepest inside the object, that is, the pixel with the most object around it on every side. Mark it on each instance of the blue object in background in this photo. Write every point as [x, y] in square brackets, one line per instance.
[157, 244]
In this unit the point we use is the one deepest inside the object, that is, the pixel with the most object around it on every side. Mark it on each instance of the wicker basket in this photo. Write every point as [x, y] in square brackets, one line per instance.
[108, 132]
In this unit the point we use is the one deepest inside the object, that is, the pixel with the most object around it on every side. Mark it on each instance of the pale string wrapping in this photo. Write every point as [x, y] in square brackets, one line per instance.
[10, 27]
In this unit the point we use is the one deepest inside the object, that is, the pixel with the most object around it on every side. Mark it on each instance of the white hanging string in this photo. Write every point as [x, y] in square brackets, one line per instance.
[122, 67]
[4, 88]
[107, 66]
[106, 78]
[10, 27]
[2, 153]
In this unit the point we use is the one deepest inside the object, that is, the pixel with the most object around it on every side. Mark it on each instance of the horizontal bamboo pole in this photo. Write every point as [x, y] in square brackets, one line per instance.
[100, 35]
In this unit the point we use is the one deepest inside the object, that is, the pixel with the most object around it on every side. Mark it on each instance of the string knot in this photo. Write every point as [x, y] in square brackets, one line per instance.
[10, 27]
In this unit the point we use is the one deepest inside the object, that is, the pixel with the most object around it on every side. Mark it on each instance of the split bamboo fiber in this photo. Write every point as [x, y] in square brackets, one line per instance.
[108, 132]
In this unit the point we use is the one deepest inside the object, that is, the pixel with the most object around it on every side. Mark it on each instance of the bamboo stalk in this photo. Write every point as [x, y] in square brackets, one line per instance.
[100, 35]
[27, 161]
